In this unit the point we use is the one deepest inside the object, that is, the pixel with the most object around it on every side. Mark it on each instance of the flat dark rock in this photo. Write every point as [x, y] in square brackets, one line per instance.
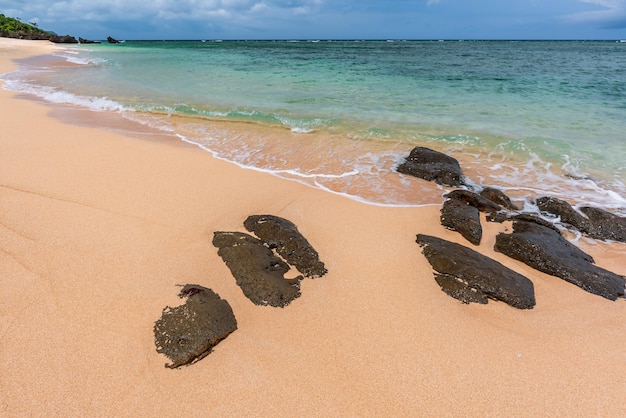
[565, 211]
[594, 222]
[456, 288]
[257, 270]
[499, 197]
[283, 236]
[536, 219]
[472, 277]
[606, 225]
[434, 166]
[188, 333]
[524, 216]
[474, 199]
[546, 250]
[460, 212]
[459, 216]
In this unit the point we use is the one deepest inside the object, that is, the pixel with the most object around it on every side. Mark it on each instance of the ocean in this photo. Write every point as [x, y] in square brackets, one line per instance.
[533, 118]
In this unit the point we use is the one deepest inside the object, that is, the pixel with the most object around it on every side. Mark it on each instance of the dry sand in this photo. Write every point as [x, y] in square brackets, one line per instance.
[98, 228]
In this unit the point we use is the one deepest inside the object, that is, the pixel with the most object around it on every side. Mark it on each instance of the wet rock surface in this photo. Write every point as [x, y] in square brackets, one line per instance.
[594, 222]
[460, 212]
[434, 166]
[257, 270]
[605, 225]
[188, 333]
[546, 250]
[565, 211]
[476, 200]
[498, 197]
[472, 277]
[459, 216]
[536, 239]
[283, 236]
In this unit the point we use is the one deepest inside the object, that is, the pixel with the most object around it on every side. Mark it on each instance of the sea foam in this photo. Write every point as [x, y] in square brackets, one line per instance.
[58, 96]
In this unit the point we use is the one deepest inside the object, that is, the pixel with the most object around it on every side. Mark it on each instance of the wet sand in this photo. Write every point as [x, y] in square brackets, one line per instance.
[97, 229]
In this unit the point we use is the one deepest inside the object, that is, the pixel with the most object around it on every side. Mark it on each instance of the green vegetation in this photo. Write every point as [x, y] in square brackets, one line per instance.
[13, 28]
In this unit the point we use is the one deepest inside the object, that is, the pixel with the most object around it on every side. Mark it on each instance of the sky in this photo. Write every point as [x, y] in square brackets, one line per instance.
[325, 19]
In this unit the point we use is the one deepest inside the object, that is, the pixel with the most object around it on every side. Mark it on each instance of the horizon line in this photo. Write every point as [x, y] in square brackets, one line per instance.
[375, 39]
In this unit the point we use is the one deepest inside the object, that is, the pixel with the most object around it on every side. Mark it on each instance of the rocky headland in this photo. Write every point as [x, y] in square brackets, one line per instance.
[16, 29]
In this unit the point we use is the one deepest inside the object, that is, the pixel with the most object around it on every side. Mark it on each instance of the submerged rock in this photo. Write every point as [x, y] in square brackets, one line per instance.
[188, 333]
[546, 250]
[257, 270]
[459, 216]
[472, 277]
[434, 166]
[283, 236]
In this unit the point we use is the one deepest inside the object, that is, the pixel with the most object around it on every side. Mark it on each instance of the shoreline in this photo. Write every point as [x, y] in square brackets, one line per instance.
[342, 158]
[98, 228]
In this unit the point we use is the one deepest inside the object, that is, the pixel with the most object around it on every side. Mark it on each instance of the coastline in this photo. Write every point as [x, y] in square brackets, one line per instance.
[98, 228]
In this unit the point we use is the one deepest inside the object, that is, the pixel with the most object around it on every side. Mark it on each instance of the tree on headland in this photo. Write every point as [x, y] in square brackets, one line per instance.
[14, 28]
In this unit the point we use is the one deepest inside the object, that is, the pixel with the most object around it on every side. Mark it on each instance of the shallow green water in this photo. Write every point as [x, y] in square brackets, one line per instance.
[530, 117]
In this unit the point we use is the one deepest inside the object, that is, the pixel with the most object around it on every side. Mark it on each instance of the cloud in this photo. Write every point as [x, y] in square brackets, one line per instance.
[106, 10]
[141, 19]
[178, 19]
[608, 13]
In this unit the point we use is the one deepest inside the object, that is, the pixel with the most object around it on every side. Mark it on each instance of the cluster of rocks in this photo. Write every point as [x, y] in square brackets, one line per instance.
[87, 41]
[42, 36]
[257, 265]
[471, 277]
[187, 333]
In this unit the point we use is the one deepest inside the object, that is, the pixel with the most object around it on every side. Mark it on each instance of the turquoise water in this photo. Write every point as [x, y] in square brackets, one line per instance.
[532, 118]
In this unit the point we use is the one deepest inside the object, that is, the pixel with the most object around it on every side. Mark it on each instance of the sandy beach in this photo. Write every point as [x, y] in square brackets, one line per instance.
[97, 229]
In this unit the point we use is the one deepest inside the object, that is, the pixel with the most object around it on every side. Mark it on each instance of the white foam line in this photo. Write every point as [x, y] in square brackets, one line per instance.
[610, 199]
[314, 176]
[62, 97]
[372, 203]
[315, 185]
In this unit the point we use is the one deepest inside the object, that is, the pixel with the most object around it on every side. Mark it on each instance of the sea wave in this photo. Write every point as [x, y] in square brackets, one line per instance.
[295, 125]
[79, 58]
[58, 96]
